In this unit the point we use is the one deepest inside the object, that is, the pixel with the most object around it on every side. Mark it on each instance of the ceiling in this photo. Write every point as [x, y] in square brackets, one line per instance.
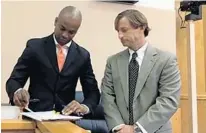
[160, 4]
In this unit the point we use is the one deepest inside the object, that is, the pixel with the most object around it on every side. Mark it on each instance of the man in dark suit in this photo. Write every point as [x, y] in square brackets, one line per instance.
[54, 64]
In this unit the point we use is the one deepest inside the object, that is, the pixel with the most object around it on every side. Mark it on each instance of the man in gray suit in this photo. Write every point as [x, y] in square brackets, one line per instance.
[141, 85]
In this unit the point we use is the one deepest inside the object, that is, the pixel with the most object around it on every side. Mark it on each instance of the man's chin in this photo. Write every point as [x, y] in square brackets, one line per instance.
[125, 44]
[63, 42]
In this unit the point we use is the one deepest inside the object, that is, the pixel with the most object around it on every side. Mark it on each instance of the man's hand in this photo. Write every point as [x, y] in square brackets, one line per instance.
[21, 98]
[74, 107]
[126, 129]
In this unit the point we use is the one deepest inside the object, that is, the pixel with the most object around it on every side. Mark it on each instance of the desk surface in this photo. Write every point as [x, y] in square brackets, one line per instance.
[47, 126]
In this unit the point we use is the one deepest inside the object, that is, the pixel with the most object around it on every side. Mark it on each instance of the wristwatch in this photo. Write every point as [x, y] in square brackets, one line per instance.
[137, 129]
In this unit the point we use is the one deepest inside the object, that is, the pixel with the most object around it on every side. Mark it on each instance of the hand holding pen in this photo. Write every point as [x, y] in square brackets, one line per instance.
[22, 98]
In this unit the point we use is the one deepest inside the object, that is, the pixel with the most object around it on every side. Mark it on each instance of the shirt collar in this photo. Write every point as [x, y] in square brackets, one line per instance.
[56, 43]
[141, 51]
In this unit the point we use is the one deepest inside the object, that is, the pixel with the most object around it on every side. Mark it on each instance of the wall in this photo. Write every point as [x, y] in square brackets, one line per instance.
[183, 54]
[24, 20]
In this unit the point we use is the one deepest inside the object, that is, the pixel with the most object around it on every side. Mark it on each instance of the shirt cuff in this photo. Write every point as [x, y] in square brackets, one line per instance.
[87, 108]
[18, 90]
[117, 128]
[141, 128]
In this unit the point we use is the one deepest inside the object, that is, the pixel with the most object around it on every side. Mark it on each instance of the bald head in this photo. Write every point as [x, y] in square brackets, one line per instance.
[67, 24]
[70, 12]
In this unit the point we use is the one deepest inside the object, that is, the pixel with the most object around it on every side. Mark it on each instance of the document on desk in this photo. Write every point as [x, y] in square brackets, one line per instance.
[48, 116]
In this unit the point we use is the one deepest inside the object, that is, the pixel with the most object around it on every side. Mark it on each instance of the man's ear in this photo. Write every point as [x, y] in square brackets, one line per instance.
[55, 21]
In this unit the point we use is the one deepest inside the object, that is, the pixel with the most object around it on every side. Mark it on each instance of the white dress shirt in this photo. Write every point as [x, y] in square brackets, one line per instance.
[65, 47]
[140, 55]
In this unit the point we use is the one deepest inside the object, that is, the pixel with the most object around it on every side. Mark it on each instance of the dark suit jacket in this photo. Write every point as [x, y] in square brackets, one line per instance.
[54, 89]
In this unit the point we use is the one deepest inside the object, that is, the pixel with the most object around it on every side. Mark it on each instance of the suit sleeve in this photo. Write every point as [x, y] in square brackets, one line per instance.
[112, 114]
[168, 100]
[20, 72]
[89, 86]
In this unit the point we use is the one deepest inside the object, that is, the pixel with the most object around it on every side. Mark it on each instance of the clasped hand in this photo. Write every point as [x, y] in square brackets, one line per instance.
[126, 129]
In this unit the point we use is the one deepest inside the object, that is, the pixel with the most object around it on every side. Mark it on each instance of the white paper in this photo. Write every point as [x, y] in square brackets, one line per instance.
[48, 115]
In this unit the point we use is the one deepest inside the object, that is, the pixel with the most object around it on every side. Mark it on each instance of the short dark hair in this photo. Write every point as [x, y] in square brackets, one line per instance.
[136, 19]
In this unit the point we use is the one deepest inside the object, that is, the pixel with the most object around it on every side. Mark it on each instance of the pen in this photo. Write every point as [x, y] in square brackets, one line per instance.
[34, 100]
[28, 109]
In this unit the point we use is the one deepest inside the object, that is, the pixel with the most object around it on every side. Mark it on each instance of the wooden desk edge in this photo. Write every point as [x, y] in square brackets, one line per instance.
[17, 124]
[40, 127]
[62, 127]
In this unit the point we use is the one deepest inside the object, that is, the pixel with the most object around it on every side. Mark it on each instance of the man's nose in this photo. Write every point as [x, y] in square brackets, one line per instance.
[120, 35]
[65, 35]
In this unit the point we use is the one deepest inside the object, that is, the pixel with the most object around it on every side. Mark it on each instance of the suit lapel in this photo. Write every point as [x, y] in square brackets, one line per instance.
[71, 56]
[123, 62]
[146, 67]
[50, 50]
